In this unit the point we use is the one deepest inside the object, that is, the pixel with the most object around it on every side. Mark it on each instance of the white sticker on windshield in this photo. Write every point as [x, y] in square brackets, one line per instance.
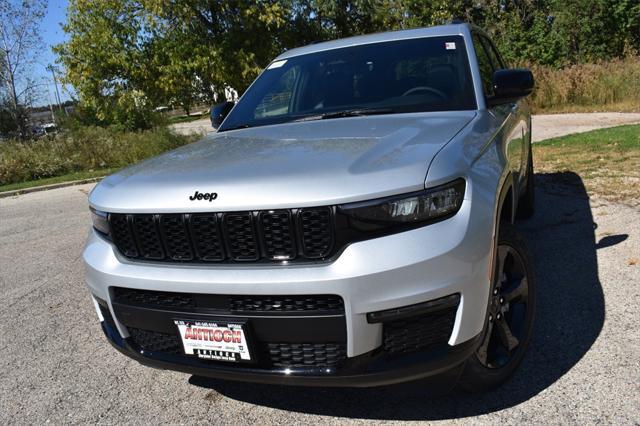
[277, 64]
[450, 46]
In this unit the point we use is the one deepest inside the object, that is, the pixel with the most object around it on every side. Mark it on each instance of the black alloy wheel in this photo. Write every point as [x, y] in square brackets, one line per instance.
[507, 310]
[509, 320]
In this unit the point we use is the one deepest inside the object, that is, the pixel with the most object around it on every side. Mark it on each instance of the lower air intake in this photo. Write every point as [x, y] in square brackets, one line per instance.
[428, 331]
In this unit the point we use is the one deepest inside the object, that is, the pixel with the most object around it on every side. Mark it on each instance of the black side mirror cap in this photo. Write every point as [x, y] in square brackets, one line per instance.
[511, 85]
[219, 112]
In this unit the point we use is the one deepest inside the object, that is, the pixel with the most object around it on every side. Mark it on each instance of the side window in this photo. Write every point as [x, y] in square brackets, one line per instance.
[494, 56]
[486, 70]
[278, 100]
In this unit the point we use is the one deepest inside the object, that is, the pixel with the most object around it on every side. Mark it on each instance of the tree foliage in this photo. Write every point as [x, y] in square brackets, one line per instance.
[19, 42]
[104, 59]
[125, 56]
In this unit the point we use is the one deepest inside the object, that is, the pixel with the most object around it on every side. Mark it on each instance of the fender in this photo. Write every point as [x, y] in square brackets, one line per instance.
[507, 186]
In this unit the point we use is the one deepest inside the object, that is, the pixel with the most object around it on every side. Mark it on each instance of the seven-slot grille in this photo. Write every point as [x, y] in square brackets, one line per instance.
[225, 237]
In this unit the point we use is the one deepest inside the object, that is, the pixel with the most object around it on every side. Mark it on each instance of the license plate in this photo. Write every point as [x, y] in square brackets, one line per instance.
[218, 341]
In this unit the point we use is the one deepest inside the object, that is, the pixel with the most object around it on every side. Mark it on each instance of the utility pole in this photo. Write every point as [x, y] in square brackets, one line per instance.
[53, 116]
[55, 82]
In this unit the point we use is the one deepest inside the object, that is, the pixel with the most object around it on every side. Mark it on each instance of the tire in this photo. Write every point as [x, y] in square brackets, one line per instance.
[526, 202]
[497, 358]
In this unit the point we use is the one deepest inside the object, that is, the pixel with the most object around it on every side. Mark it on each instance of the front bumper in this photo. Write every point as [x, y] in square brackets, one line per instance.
[367, 370]
[449, 257]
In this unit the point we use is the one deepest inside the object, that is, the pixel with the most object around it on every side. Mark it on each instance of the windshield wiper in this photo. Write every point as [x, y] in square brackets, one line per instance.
[348, 113]
[356, 112]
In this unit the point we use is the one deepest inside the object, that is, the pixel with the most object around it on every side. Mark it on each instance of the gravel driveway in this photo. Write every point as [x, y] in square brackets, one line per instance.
[544, 126]
[583, 365]
[553, 125]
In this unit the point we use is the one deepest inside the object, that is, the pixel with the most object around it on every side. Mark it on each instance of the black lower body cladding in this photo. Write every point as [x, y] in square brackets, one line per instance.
[303, 346]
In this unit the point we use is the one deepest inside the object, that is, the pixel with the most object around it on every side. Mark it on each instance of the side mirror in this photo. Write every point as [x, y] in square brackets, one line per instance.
[219, 112]
[511, 85]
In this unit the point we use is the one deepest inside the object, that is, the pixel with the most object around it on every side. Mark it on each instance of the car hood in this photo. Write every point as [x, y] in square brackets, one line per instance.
[288, 165]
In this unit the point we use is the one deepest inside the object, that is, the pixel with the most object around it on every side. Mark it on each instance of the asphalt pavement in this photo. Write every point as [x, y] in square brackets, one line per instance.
[583, 365]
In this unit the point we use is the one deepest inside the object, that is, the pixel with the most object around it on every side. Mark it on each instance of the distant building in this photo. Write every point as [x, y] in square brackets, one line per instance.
[40, 117]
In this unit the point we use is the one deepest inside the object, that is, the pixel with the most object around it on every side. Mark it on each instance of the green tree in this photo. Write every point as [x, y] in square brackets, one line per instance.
[19, 44]
[176, 51]
[104, 58]
[591, 29]
[225, 44]
[182, 52]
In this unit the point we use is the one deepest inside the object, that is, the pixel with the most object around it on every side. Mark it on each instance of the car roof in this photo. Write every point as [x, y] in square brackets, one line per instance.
[440, 30]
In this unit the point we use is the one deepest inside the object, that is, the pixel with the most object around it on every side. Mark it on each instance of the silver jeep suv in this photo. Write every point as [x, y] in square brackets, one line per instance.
[351, 223]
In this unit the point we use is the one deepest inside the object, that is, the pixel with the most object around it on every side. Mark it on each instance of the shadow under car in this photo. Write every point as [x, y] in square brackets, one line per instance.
[570, 315]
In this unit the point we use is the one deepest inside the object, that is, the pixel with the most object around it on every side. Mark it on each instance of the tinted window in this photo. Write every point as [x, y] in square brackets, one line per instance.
[427, 74]
[496, 60]
[277, 101]
[484, 63]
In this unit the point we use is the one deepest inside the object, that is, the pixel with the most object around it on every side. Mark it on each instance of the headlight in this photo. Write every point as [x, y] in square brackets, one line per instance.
[417, 208]
[100, 221]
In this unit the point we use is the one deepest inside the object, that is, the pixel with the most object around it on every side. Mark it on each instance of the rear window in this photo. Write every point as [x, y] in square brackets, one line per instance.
[425, 74]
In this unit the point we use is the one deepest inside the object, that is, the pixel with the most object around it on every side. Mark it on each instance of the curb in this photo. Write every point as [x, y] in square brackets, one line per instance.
[47, 187]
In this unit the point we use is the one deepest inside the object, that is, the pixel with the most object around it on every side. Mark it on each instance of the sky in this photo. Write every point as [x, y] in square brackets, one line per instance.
[52, 34]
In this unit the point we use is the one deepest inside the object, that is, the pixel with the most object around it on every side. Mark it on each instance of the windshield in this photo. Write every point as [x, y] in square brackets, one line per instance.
[424, 74]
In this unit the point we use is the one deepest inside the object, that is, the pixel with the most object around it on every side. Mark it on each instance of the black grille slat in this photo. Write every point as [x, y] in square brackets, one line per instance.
[155, 299]
[154, 341]
[122, 234]
[206, 237]
[277, 231]
[315, 304]
[176, 237]
[289, 355]
[147, 235]
[312, 303]
[241, 236]
[278, 236]
[317, 235]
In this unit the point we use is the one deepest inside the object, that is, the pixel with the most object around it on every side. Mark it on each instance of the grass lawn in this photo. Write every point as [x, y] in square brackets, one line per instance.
[57, 179]
[632, 105]
[607, 160]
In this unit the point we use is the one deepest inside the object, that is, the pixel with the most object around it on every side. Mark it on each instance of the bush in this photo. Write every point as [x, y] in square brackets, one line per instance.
[603, 86]
[128, 111]
[13, 123]
[82, 149]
